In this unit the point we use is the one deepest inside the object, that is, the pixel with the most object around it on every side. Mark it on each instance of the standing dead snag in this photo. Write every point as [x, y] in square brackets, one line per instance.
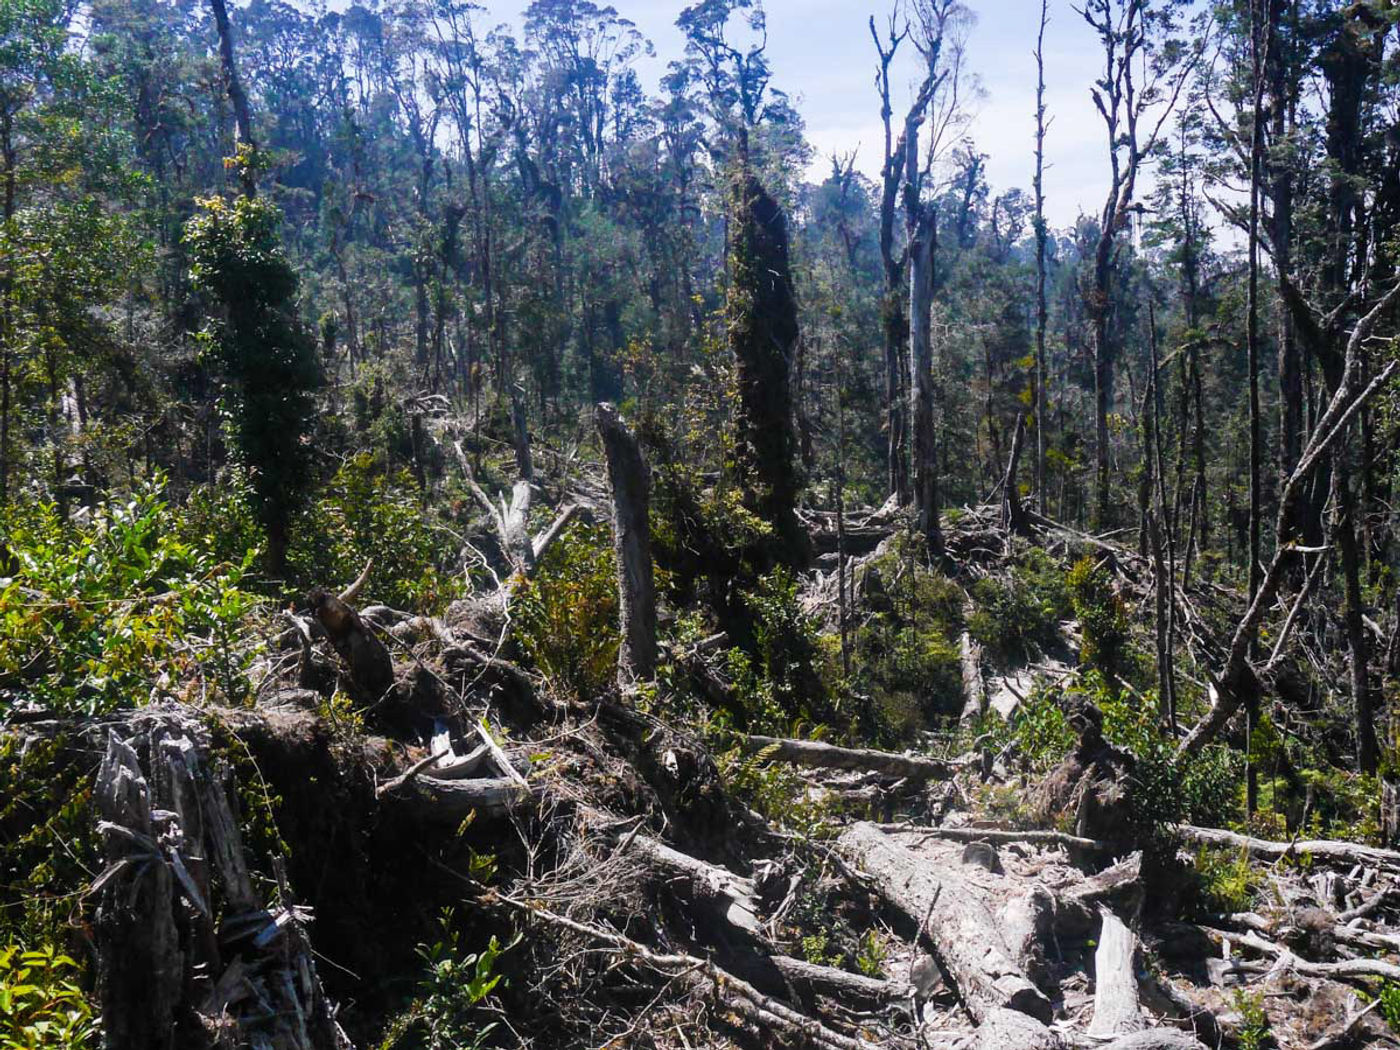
[762, 329]
[630, 478]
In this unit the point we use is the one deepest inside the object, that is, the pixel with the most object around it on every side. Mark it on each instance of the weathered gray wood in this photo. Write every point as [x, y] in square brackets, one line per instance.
[836, 984]
[710, 880]
[1326, 849]
[974, 687]
[1005, 1029]
[1032, 837]
[957, 915]
[828, 756]
[1154, 1039]
[138, 951]
[630, 479]
[1116, 1007]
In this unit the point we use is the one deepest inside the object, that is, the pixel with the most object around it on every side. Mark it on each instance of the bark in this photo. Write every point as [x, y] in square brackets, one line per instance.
[922, 225]
[1328, 850]
[957, 916]
[1005, 1029]
[630, 479]
[1041, 399]
[828, 756]
[243, 121]
[436, 801]
[1037, 838]
[1013, 514]
[1116, 1009]
[367, 661]
[762, 333]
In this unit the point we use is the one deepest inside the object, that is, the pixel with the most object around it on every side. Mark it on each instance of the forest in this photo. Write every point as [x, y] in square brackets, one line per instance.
[504, 544]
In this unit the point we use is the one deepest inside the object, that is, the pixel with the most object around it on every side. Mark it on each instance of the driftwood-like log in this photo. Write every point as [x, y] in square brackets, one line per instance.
[1154, 1039]
[828, 756]
[956, 915]
[1116, 1006]
[994, 835]
[630, 479]
[1330, 850]
[1005, 1029]
[836, 984]
[1344, 970]
[974, 686]
[734, 892]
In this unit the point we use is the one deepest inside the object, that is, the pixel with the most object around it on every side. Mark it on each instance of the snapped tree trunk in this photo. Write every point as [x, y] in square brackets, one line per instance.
[630, 478]
[762, 331]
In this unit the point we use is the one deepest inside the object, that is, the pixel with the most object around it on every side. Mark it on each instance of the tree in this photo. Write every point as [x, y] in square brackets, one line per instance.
[1143, 70]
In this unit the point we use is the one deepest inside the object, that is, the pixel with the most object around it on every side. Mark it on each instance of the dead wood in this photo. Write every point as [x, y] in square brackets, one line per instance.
[630, 480]
[1343, 970]
[1005, 1029]
[187, 953]
[432, 800]
[1116, 1009]
[958, 916]
[1154, 1039]
[1038, 838]
[1332, 851]
[974, 686]
[767, 1013]
[367, 661]
[828, 756]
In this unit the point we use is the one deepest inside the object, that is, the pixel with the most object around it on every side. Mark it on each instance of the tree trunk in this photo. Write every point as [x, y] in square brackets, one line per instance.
[243, 121]
[762, 321]
[959, 919]
[630, 479]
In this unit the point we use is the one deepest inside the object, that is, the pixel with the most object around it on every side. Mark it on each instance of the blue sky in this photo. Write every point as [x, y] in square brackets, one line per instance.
[822, 55]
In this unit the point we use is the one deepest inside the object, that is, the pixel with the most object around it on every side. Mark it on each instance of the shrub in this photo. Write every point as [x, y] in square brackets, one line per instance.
[905, 653]
[366, 513]
[41, 1003]
[1019, 616]
[565, 617]
[92, 614]
[1103, 620]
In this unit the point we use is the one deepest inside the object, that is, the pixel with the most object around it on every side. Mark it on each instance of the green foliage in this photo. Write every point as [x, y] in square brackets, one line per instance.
[1224, 882]
[365, 514]
[905, 653]
[1103, 619]
[261, 348]
[1043, 735]
[94, 615]
[1389, 1009]
[1254, 1032]
[445, 1015]
[870, 959]
[565, 616]
[775, 791]
[1014, 619]
[41, 1003]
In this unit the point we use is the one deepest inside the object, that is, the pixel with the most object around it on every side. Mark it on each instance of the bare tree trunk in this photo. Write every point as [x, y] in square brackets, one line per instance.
[923, 225]
[631, 491]
[1041, 398]
[243, 120]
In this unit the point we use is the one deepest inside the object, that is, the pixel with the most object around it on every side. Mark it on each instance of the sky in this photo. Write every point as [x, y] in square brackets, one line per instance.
[822, 56]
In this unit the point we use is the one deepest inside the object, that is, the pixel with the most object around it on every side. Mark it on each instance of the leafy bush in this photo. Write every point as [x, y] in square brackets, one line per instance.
[1103, 620]
[41, 1003]
[1018, 617]
[1224, 882]
[92, 614]
[454, 985]
[366, 513]
[905, 653]
[1254, 1033]
[565, 617]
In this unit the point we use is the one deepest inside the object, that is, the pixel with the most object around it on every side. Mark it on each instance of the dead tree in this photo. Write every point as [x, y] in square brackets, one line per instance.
[763, 332]
[630, 478]
[243, 121]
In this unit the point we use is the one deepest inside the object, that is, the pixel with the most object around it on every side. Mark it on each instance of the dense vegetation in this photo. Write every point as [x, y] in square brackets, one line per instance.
[286, 290]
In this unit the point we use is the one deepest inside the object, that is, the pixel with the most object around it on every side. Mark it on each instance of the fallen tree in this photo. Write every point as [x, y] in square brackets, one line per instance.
[818, 755]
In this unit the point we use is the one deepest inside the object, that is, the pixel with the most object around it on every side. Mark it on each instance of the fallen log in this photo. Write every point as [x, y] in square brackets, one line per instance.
[451, 801]
[815, 754]
[956, 915]
[1338, 852]
[974, 687]
[836, 984]
[1154, 1039]
[1006, 1029]
[1037, 838]
[1116, 1007]
[709, 880]
[370, 668]
[1343, 970]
